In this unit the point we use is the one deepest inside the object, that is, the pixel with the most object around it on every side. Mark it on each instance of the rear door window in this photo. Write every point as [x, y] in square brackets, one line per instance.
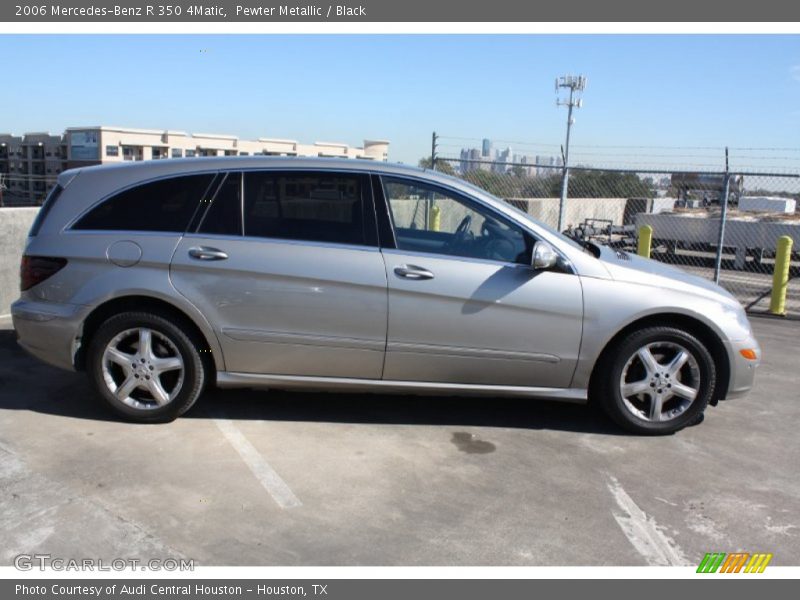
[307, 206]
[224, 215]
[164, 205]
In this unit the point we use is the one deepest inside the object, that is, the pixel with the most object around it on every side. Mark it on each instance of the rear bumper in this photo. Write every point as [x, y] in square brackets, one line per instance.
[48, 331]
[743, 370]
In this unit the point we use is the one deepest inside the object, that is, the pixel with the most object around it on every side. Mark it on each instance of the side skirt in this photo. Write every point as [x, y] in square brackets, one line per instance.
[237, 380]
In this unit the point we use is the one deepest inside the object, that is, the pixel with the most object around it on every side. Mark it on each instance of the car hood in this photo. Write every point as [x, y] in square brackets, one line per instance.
[632, 268]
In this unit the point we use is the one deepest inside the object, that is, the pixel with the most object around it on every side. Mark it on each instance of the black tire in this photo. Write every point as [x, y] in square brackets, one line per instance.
[182, 344]
[607, 382]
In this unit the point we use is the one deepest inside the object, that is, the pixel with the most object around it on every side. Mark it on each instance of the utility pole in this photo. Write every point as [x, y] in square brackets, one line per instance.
[434, 140]
[429, 196]
[2, 176]
[575, 85]
[723, 217]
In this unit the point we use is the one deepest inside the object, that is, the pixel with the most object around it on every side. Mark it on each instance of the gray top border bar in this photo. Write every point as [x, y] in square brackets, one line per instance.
[366, 11]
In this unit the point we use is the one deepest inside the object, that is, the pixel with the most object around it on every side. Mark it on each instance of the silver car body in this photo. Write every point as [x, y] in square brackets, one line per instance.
[283, 314]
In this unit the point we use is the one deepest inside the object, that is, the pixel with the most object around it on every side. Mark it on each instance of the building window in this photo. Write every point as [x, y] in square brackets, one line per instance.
[177, 152]
[190, 153]
[112, 150]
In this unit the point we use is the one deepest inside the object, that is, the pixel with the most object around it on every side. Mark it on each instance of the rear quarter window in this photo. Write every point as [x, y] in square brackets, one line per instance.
[164, 205]
[49, 202]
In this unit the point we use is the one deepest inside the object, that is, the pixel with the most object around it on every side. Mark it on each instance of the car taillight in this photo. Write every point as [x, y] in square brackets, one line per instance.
[35, 269]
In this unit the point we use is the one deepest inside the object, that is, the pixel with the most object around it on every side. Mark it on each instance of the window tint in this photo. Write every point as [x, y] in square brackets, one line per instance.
[164, 205]
[428, 219]
[224, 216]
[315, 207]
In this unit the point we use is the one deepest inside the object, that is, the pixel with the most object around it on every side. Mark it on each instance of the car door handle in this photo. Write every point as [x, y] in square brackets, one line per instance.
[412, 272]
[206, 253]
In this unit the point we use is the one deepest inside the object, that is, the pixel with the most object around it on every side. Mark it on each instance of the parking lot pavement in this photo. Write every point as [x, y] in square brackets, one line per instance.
[254, 478]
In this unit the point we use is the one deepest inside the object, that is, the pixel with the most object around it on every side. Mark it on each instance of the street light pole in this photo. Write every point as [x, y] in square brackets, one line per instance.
[576, 85]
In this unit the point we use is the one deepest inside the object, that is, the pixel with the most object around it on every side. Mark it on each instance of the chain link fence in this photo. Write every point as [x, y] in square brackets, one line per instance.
[722, 226]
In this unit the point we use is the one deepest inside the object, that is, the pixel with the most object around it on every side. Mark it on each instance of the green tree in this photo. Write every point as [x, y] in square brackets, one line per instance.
[500, 185]
[442, 166]
[608, 184]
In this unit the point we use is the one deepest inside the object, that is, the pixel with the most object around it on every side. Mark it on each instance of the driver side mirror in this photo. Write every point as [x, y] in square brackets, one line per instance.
[543, 256]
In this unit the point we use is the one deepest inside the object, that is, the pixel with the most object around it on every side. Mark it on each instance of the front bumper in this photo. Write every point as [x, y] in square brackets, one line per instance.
[49, 331]
[743, 370]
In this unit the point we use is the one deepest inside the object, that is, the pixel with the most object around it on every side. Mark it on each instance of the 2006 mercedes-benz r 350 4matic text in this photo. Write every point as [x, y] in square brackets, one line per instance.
[162, 277]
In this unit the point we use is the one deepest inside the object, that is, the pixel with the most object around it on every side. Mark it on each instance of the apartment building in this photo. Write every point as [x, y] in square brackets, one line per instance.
[29, 164]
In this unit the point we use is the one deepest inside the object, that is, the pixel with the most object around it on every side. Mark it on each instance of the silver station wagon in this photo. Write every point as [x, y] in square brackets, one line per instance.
[163, 277]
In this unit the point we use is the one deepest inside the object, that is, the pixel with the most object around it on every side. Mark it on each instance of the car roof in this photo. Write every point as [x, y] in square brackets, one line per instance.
[106, 179]
[163, 167]
[85, 186]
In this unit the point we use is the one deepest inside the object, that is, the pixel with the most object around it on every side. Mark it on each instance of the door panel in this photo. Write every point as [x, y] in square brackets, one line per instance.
[286, 267]
[481, 322]
[464, 306]
[288, 308]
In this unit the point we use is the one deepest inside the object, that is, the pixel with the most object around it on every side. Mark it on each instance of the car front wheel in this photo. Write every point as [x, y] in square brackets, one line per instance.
[656, 380]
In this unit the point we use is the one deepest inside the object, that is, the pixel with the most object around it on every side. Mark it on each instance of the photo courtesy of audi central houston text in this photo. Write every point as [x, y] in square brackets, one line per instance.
[287, 294]
[159, 279]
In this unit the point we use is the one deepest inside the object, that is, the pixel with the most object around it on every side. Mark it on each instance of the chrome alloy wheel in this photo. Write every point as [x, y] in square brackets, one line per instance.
[143, 368]
[660, 381]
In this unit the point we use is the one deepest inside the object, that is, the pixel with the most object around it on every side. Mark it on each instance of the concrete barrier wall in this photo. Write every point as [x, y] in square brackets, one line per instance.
[704, 229]
[578, 209]
[543, 209]
[14, 226]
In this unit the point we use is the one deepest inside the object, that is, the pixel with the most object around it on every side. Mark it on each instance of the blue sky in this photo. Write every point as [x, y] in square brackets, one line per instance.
[643, 90]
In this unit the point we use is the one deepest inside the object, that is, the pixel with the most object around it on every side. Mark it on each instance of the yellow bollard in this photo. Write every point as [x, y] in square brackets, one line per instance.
[780, 276]
[645, 240]
[436, 218]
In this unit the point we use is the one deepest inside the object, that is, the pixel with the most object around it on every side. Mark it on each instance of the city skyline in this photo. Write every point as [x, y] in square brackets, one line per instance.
[691, 92]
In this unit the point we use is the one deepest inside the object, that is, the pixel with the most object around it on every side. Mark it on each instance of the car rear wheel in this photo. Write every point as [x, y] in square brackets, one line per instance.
[145, 367]
[656, 380]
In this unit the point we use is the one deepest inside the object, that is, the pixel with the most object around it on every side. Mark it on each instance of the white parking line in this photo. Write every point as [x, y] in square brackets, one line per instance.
[643, 532]
[265, 474]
